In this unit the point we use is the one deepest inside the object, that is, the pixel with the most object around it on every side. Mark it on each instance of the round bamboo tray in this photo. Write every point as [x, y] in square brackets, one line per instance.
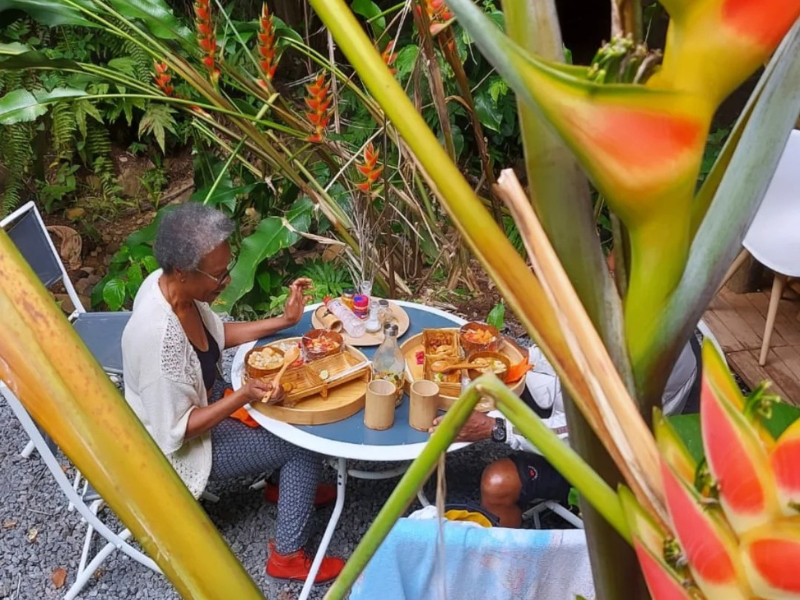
[449, 392]
[368, 339]
[314, 401]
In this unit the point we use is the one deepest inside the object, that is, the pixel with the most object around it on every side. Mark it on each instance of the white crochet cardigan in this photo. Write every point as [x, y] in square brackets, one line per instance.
[164, 382]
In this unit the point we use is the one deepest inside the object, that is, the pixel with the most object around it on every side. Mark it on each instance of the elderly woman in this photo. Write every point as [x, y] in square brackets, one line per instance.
[171, 349]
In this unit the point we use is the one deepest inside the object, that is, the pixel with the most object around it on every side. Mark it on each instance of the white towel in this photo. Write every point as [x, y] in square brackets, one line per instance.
[480, 564]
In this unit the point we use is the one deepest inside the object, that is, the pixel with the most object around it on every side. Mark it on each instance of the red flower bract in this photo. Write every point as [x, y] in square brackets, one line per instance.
[266, 44]
[206, 37]
[319, 102]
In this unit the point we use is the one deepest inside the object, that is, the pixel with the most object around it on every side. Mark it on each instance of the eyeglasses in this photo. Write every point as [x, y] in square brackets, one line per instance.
[222, 277]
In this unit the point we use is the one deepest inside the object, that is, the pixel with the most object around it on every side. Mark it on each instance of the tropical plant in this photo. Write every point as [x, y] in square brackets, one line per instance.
[613, 354]
[642, 144]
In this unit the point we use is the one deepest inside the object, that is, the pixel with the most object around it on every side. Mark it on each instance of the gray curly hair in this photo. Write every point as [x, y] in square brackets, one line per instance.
[186, 234]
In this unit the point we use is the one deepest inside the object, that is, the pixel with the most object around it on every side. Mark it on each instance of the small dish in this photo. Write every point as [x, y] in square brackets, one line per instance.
[263, 361]
[495, 362]
[479, 337]
[319, 343]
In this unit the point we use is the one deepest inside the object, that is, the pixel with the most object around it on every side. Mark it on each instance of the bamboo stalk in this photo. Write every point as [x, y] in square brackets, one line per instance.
[613, 415]
[48, 367]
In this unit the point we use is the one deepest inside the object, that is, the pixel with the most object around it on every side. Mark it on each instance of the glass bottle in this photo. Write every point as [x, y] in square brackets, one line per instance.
[373, 323]
[388, 362]
[351, 323]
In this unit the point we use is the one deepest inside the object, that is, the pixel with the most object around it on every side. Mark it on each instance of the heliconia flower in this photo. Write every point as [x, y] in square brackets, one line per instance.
[736, 455]
[319, 102]
[206, 37]
[266, 44]
[439, 15]
[389, 57]
[673, 450]
[745, 32]
[709, 545]
[162, 78]
[370, 168]
[785, 465]
[771, 558]
[642, 144]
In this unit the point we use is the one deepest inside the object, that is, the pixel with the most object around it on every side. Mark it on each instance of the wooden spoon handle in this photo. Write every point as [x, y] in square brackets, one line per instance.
[277, 381]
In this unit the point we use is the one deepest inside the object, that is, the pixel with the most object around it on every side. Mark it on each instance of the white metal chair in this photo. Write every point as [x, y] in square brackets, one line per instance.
[100, 331]
[774, 236]
[87, 503]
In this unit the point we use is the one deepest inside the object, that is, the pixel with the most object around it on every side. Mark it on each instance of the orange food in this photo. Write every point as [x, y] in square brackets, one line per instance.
[321, 345]
[518, 371]
[479, 336]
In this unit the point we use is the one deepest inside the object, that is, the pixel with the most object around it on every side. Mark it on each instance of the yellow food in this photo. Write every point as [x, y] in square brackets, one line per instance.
[265, 359]
[490, 365]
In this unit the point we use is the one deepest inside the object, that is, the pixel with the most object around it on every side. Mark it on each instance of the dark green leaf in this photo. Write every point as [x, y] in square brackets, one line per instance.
[158, 17]
[48, 12]
[406, 58]
[488, 113]
[497, 316]
[135, 277]
[157, 120]
[270, 237]
[150, 263]
[369, 10]
[114, 293]
[21, 106]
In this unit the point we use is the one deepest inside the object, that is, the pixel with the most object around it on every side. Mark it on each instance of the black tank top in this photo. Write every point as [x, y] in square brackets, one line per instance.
[208, 359]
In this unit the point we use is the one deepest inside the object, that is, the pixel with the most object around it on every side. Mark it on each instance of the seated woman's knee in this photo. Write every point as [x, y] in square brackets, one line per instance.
[500, 480]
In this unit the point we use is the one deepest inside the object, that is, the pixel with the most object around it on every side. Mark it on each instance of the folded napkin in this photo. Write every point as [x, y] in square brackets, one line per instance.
[241, 414]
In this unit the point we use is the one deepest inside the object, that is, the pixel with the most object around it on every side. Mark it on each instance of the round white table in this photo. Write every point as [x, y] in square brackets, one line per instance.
[349, 439]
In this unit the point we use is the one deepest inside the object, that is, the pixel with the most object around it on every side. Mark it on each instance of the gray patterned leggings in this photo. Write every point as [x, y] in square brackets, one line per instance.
[238, 450]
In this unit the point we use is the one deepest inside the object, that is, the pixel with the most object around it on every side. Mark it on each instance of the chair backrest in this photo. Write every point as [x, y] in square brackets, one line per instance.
[773, 236]
[27, 230]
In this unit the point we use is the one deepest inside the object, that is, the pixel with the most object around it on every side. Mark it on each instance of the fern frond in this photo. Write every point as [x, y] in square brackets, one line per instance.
[16, 155]
[63, 130]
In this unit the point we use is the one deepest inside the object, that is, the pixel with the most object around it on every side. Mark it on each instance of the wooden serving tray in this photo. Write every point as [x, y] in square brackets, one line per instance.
[313, 400]
[368, 339]
[448, 393]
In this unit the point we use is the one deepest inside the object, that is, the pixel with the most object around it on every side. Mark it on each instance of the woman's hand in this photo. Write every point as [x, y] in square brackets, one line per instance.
[478, 427]
[295, 303]
[255, 390]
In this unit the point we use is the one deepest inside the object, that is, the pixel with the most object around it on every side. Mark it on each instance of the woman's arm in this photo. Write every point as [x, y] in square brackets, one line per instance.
[241, 333]
[203, 418]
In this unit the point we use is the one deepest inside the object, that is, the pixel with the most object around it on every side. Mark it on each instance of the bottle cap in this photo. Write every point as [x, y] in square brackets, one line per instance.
[383, 302]
[360, 300]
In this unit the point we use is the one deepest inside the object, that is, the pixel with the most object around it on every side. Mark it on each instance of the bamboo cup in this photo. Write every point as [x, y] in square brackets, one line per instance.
[379, 406]
[424, 404]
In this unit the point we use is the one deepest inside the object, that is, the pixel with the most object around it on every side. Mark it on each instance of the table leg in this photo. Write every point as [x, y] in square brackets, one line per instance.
[341, 482]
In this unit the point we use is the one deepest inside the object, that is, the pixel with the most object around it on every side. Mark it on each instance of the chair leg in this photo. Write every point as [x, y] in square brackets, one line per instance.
[778, 284]
[738, 261]
[209, 496]
[28, 450]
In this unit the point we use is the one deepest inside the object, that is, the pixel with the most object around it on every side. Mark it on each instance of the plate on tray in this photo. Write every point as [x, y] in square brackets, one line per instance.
[449, 392]
[368, 339]
[322, 391]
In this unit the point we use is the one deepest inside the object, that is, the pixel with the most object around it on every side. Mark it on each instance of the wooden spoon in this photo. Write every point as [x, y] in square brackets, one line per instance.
[291, 355]
[442, 366]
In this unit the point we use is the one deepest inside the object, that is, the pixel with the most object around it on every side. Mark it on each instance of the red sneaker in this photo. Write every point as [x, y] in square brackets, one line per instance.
[326, 494]
[297, 565]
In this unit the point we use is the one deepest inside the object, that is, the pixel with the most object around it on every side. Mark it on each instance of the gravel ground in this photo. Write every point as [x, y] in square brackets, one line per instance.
[38, 536]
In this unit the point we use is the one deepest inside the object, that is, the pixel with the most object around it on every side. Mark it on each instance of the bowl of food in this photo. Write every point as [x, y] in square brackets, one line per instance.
[489, 362]
[319, 343]
[479, 337]
[262, 361]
